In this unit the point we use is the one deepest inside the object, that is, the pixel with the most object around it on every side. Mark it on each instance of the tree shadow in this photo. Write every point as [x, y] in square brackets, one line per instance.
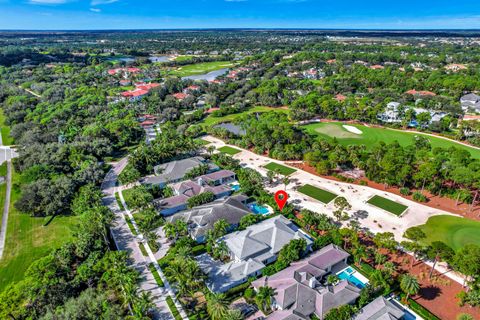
[429, 292]
[360, 214]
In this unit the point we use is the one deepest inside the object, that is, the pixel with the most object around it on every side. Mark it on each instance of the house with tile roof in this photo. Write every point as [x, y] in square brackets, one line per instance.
[250, 250]
[300, 292]
[201, 219]
[380, 309]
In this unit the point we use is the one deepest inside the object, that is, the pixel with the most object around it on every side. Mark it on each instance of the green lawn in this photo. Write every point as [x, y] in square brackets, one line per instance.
[317, 193]
[184, 58]
[454, 231]
[283, 170]
[27, 239]
[202, 142]
[200, 68]
[229, 150]
[371, 136]
[211, 120]
[5, 130]
[387, 205]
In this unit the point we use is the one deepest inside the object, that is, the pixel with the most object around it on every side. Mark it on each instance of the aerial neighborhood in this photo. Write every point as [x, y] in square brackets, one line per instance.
[240, 174]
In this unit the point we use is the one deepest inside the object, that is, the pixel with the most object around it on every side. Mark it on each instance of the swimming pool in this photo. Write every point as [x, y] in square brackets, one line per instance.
[258, 209]
[235, 187]
[353, 277]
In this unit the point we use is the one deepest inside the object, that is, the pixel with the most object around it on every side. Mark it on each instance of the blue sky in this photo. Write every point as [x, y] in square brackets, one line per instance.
[160, 14]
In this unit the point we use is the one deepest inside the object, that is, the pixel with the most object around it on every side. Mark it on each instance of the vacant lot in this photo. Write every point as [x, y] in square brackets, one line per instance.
[229, 150]
[317, 193]
[371, 136]
[211, 120]
[454, 231]
[200, 68]
[28, 239]
[283, 170]
[387, 205]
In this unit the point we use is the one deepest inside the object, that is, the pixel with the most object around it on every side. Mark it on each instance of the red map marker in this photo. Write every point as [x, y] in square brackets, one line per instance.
[281, 198]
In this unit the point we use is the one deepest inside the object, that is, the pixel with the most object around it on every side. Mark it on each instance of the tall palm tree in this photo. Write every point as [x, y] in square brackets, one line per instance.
[409, 284]
[217, 306]
[143, 305]
[170, 230]
[264, 297]
[233, 315]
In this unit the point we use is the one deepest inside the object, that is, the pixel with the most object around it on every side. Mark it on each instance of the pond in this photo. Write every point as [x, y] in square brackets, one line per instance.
[233, 128]
[160, 58]
[212, 75]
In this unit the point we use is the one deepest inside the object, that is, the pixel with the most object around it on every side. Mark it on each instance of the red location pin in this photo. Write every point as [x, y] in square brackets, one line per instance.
[281, 198]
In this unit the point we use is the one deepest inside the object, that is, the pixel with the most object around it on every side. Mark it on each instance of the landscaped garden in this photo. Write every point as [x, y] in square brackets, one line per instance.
[456, 232]
[229, 150]
[283, 170]
[370, 136]
[317, 193]
[387, 205]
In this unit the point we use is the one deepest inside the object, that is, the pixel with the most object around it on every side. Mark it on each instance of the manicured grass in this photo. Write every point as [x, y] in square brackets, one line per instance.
[3, 170]
[131, 227]
[229, 150]
[387, 205]
[283, 170]
[211, 120]
[5, 131]
[119, 202]
[202, 142]
[173, 308]
[317, 193]
[184, 58]
[154, 271]
[371, 136]
[28, 239]
[454, 231]
[200, 68]
[143, 250]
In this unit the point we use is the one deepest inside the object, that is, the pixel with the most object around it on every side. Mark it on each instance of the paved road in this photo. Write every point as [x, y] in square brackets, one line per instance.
[7, 153]
[3, 228]
[126, 241]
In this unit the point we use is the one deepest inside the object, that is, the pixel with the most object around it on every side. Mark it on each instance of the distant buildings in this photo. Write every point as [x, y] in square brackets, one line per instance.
[470, 102]
[421, 93]
[250, 251]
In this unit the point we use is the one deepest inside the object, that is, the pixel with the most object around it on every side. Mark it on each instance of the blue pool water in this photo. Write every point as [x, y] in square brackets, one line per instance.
[235, 187]
[349, 274]
[258, 209]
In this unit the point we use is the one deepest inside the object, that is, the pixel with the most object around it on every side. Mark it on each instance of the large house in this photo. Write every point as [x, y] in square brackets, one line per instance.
[175, 171]
[202, 218]
[214, 182]
[300, 292]
[391, 113]
[380, 309]
[250, 251]
[470, 102]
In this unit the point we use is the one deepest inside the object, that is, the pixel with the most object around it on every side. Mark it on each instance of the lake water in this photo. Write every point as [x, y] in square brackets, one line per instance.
[212, 75]
[233, 128]
[124, 59]
[159, 58]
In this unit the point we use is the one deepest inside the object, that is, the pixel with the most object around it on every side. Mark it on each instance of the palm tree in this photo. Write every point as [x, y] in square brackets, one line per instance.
[220, 228]
[221, 250]
[217, 306]
[233, 315]
[264, 297]
[143, 305]
[181, 227]
[286, 181]
[359, 253]
[389, 267]
[210, 150]
[409, 284]
[170, 230]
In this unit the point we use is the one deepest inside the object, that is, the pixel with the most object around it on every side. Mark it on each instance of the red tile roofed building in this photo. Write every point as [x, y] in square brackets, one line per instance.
[148, 123]
[115, 71]
[212, 110]
[216, 81]
[191, 88]
[147, 86]
[421, 93]
[377, 67]
[331, 61]
[134, 95]
[340, 97]
[180, 96]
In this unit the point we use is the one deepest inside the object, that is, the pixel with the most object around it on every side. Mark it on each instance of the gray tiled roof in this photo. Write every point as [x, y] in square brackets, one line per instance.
[268, 236]
[202, 218]
[379, 309]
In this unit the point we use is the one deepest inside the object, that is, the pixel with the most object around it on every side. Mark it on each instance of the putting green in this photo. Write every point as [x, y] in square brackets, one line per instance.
[454, 231]
[373, 135]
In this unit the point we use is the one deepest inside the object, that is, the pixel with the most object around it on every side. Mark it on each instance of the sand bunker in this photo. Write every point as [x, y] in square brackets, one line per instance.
[352, 129]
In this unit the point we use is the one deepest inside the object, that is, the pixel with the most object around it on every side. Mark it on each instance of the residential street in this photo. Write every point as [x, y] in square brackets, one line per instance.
[3, 228]
[126, 241]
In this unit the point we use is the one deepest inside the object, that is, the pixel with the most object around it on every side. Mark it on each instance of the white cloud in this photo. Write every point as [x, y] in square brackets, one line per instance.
[95, 10]
[100, 2]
